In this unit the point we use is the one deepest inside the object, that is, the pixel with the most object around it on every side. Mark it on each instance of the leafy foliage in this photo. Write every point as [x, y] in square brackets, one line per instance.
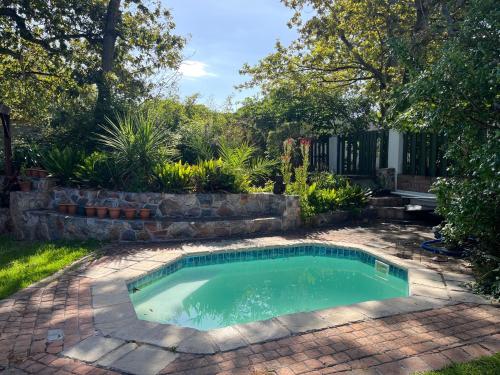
[241, 161]
[326, 180]
[62, 163]
[456, 94]
[214, 176]
[56, 51]
[174, 177]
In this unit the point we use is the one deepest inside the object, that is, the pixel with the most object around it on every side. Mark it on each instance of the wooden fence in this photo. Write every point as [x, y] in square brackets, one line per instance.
[362, 153]
[320, 154]
[423, 154]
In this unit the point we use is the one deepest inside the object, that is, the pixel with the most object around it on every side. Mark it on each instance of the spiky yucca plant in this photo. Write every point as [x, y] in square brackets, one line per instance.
[138, 141]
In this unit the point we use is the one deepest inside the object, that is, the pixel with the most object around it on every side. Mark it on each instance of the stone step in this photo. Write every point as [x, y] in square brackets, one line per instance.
[51, 225]
[387, 201]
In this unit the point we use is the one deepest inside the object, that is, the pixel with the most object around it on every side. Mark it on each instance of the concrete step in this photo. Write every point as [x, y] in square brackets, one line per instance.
[391, 201]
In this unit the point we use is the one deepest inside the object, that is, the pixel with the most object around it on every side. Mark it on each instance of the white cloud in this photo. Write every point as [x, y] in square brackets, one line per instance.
[195, 69]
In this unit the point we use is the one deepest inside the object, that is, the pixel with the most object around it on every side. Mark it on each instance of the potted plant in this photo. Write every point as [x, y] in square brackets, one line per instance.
[129, 213]
[144, 213]
[72, 208]
[42, 173]
[101, 212]
[114, 212]
[62, 208]
[30, 172]
[90, 211]
[25, 184]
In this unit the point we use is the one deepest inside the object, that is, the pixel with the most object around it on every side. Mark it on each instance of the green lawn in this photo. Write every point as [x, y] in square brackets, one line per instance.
[481, 366]
[23, 263]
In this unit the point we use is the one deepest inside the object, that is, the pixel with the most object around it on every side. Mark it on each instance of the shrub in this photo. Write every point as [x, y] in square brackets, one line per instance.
[174, 177]
[213, 176]
[99, 170]
[242, 163]
[344, 198]
[327, 180]
[62, 163]
[267, 188]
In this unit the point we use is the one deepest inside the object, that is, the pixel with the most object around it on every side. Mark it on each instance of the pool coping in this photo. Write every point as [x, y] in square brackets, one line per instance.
[115, 317]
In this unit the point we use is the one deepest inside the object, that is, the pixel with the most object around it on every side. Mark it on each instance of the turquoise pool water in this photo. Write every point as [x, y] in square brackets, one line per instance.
[205, 293]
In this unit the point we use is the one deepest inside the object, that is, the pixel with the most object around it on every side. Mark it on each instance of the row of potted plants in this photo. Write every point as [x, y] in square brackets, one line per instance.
[36, 172]
[101, 212]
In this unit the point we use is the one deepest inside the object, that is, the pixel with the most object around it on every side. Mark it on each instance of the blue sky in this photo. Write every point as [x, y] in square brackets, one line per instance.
[224, 34]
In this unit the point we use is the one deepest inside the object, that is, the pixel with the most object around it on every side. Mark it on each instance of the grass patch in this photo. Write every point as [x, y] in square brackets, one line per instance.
[23, 263]
[480, 366]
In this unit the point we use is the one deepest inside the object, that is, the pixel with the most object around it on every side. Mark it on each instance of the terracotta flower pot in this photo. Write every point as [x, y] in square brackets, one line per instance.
[90, 211]
[72, 208]
[101, 212]
[62, 208]
[25, 185]
[42, 173]
[129, 213]
[30, 172]
[144, 213]
[114, 212]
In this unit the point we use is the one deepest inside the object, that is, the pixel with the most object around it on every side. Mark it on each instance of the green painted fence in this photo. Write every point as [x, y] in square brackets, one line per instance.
[423, 154]
[362, 153]
[320, 154]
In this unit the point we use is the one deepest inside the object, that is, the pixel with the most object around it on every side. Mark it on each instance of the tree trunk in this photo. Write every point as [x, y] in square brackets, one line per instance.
[103, 105]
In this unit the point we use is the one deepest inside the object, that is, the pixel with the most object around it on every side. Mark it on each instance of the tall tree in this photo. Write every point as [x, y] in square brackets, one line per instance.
[352, 45]
[112, 44]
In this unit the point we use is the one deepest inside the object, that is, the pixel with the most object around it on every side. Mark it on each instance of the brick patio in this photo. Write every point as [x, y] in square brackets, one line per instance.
[399, 344]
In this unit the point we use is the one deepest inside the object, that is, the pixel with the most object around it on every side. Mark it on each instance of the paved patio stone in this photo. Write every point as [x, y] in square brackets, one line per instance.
[227, 338]
[303, 322]
[114, 313]
[425, 291]
[115, 355]
[146, 265]
[110, 298]
[198, 343]
[262, 331]
[466, 297]
[109, 328]
[92, 348]
[341, 315]
[145, 360]
[377, 309]
[169, 336]
[137, 330]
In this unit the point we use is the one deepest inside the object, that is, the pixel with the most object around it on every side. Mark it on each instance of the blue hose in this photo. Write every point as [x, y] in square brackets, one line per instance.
[427, 246]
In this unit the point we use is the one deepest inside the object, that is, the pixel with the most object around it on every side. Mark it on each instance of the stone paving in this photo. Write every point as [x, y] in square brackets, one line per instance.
[403, 343]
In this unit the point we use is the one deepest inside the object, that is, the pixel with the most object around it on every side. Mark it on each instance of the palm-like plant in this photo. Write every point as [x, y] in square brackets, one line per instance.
[138, 142]
[62, 163]
[241, 160]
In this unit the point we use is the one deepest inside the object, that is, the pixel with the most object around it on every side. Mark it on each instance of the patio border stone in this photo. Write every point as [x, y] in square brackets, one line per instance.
[115, 316]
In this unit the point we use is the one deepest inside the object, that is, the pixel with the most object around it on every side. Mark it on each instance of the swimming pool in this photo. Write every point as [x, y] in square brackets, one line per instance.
[222, 289]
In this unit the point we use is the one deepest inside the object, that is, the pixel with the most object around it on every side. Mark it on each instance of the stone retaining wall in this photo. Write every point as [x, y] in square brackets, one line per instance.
[174, 216]
[5, 221]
